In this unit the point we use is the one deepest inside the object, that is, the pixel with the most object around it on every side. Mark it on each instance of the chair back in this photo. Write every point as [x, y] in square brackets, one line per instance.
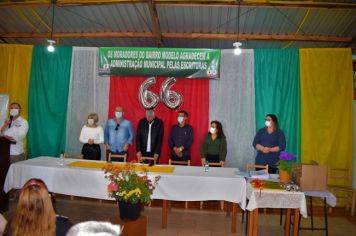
[216, 164]
[340, 184]
[253, 166]
[339, 177]
[73, 155]
[123, 157]
[147, 159]
[185, 163]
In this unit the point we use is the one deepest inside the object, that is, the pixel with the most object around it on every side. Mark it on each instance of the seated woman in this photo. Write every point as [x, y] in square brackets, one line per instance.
[214, 147]
[269, 142]
[92, 135]
[35, 215]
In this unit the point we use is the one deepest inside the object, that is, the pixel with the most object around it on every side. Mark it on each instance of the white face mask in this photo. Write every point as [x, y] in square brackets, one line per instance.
[14, 112]
[268, 123]
[212, 130]
[118, 114]
[180, 119]
[90, 121]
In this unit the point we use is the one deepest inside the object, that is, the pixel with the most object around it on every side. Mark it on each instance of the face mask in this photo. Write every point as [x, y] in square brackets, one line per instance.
[90, 121]
[268, 123]
[180, 119]
[14, 112]
[212, 130]
[118, 114]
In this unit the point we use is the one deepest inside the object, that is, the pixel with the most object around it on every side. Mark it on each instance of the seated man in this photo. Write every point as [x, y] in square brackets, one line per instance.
[149, 136]
[181, 138]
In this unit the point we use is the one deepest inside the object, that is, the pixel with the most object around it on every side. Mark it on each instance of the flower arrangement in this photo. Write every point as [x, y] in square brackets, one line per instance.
[265, 184]
[257, 183]
[285, 162]
[128, 185]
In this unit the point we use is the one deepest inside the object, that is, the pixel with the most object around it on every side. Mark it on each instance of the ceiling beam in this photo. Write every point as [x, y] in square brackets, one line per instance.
[217, 3]
[260, 4]
[267, 37]
[155, 23]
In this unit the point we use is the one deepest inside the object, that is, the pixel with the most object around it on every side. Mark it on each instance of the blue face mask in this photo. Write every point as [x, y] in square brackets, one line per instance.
[180, 119]
[118, 114]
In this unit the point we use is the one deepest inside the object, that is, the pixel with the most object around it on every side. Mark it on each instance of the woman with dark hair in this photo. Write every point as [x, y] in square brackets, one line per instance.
[214, 147]
[269, 142]
[35, 214]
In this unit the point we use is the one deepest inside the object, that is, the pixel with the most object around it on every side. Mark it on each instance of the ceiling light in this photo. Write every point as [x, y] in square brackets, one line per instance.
[237, 44]
[50, 47]
[237, 50]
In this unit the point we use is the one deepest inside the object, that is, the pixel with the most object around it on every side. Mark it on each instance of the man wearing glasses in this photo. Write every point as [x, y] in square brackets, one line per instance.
[118, 133]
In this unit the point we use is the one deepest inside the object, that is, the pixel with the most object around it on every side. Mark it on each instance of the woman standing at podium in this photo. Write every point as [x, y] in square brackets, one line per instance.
[92, 135]
[15, 129]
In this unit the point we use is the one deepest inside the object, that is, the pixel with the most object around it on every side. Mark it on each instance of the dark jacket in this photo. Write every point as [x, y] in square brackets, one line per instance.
[181, 136]
[157, 130]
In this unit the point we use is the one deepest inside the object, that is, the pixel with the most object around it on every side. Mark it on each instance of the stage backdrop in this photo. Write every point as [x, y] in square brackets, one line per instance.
[124, 92]
[327, 106]
[277, 91]
[47, 103]
[88, 93]
[15, 67]
[325, 86]
[232, 101]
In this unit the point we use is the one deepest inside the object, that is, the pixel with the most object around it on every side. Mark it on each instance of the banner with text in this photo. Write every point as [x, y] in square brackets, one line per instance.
[177, 62]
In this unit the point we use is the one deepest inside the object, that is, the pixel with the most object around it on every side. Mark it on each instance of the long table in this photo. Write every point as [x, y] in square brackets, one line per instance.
[186, 183]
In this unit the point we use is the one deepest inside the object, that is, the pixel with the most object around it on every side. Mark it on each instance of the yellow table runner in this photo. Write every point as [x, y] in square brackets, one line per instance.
[100, 165]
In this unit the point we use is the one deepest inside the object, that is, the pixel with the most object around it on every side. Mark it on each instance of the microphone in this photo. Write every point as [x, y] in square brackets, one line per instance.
[11, 117]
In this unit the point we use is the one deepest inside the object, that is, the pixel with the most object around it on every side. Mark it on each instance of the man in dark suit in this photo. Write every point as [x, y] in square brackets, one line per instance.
[149, 136]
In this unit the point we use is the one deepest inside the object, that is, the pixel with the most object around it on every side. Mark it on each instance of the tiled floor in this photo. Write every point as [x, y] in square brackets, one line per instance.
[191, 222]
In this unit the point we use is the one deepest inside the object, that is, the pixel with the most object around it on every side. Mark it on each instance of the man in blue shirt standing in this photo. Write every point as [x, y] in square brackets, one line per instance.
[118, 133]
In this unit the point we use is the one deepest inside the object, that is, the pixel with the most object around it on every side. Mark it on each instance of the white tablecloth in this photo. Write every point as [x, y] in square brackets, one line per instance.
[187, 183]
[275, 199]
[330, 198]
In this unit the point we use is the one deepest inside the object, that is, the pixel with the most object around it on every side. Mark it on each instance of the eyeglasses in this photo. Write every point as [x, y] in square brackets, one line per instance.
[117, 126]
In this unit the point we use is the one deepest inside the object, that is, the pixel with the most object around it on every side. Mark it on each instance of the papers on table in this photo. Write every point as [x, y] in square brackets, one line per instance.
[259, 174]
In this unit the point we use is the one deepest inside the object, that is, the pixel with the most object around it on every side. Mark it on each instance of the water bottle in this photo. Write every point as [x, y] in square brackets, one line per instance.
[61, 159]
[206, 166]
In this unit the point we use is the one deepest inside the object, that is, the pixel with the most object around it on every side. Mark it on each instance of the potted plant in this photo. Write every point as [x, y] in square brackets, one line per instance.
[284, 166]
[129, 188]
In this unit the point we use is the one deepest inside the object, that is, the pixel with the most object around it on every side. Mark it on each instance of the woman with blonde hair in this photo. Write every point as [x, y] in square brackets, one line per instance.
[34, 213]
[91, 136]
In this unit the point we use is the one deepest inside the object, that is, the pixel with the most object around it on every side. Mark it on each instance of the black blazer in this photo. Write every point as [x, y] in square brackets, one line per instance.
[156, 136]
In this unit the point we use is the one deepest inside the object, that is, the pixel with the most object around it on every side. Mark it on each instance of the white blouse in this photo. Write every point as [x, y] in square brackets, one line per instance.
[97, 134]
